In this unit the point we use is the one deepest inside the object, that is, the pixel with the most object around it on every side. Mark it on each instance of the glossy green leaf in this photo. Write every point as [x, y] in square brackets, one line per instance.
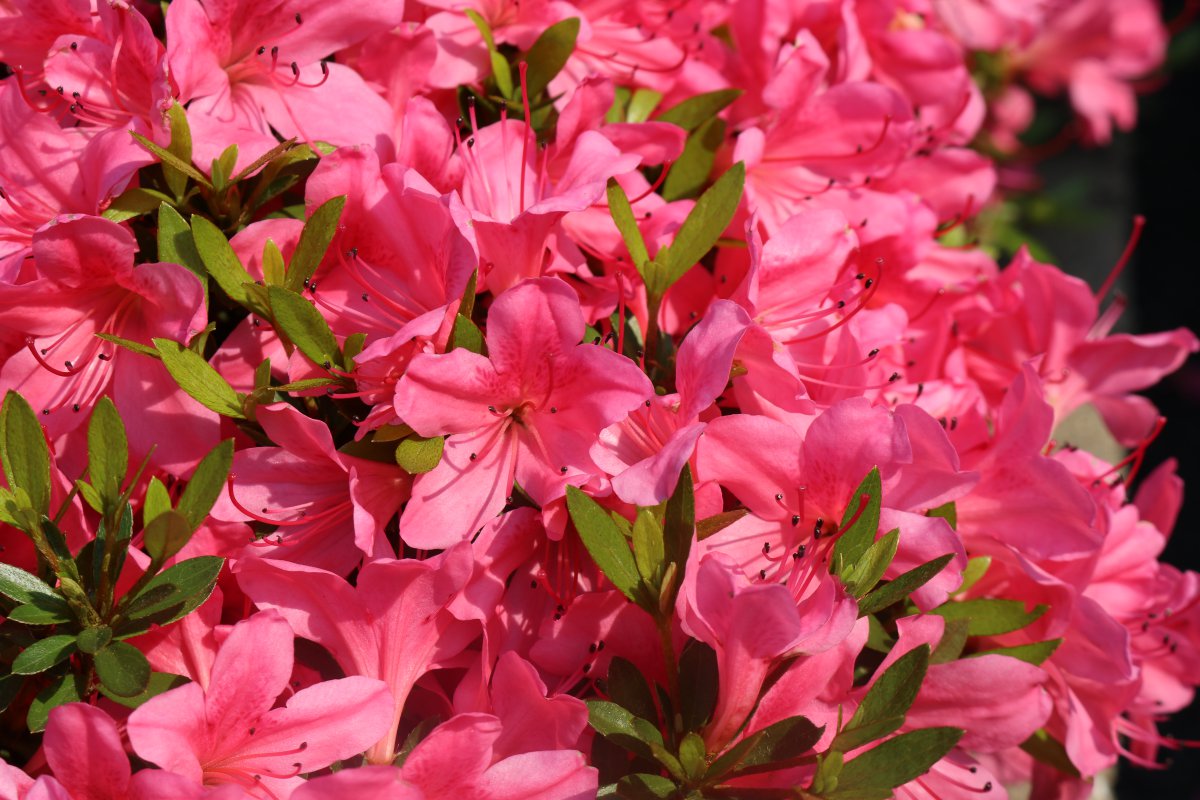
[197, 377]
[172, 162]
[620, 726]
[319, 230]
[645, 786]
[607, 546]
[221, 262]
[642, 104]
[134, 202]
[991, 617]
[64, 689]
[206, 484]
[622, 214]
[166, 535]
[44, 654]
[158, 683]
[883, 708]
[648, 547]
[42, 612]
[549, 54]
[24, 587]
[695, 111]
[275, 152]
[173, 593]
[870, 568]
[92, 640]
[130, 345]
[181, 148]
[156, 501]
[122, 669]
[1048, 750]
[108, 451]
[500, 69]
[702, 228]
[417, 455]
[769, 749]
[273, 266]
[874, 774]
[175, 243]
[24, 453]
[902, 585]
[863, 508]
[222, 167]
[689, 174]
[302, 323]
[1034, 653]
[954, 639]
[947, 511]
[976, 568]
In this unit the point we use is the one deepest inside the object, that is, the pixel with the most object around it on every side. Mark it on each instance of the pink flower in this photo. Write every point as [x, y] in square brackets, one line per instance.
[233, 733]
[529, 410]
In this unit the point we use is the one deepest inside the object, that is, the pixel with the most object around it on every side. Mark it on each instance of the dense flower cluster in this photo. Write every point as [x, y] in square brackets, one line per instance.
[526, 399]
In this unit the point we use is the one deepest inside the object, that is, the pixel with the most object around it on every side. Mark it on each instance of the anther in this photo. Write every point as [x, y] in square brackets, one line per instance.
[299, 20]
[553, 410]
[474, 456]
[74, 45]
[563, 470]
[262, 50]
[766, 548]
[779, 495]
[795, 519]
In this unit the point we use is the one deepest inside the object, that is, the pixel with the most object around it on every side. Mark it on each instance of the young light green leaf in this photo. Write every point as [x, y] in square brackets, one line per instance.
[180, 147]
[134, 202]
[175, 243]
[417, 455]
[622, 214]
[954, 639]
[887, 701]
[702, 228]
[648, 547]
[1034, 653]
[166, 535]
[222, 263]
[130, 345]
[273, 265]
[206, 484]
[24, 452]
[679, 521]
[859, 523]
[1045, 748]
[44, 654]
[991, 617]
[693, 756]
[549, 55]
[642, 104]
[122, 669]
[466, 334]
[300, 322]
[222, 167]
[108, 451]
[976, 568]
[874, 774]
[172, 162]
[689, 174]
[197, 377]
[902, 585]
[63, 690]
[695, 111]
[275, 152]
[157, 500]
[607, 546]
[870, 568]
[315, 238]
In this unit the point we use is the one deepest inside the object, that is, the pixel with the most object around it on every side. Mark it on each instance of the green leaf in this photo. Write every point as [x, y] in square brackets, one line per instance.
[623, 728]
[303, 324]
[466, 335]
[157, 500]
[990, 617]
[24, 452]
[206, 483]
[695, 111]
[222, 167]
[172, 162]
[166, 535]
[859, 536]
[1035, 653]
[693, 756]
[875, 773]
[197, 377]
[870, 568]
[93, 640]
[122, 669]
[417, 455]
[273, 266]
[947, 511]
[648, 547]
[606, 544]
[704, 225]
[133, 202]
[159, 682]
[642, 104]
[622, 214]
[645, 786]
[318, 232]
[689, 174]
[954, 639]
[976, 568]
[887, 701]
[108, 452]
[24, 587]
[275, 152]
[902, 585]
[769, 749]
[500, 69]
[626, 686]
[170, 595]
[222, 263]
[175, 244]
[698, 683]
[44, 654]
[130, 345]
[62, 691]
[40, 612]
[181, 148]
[1045, 748]
[718, 522]
[679, 522]
[549, 55]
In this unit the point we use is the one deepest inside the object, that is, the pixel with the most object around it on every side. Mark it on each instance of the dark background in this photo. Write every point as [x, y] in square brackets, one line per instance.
[1154, 171]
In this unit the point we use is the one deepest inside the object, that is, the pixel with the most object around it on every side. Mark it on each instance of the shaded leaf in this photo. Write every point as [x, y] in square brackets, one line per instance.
[883, 708]
[698, 684]
[173, 593]
[622, 214]
[622, 727]
[180, 147]
[44, 654]
[175, 243]
[769, 749]
[695, 111]
[718, 522]
[902, 585]
[122, 669]
[92, 640]
[870, 568]
[133, 202]
[166, 535]
[626, 686]
[62, 691]
[158, 683]
[874, 774]
[689, 174]
[1034, 653]
[24, 587]
[549, 54]
[466, 335]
